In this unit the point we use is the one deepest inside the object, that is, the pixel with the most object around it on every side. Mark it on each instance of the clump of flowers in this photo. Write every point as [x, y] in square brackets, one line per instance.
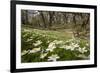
[51, 47]
[53, 57]
[37, 43]
[34, 50]
[43, 55]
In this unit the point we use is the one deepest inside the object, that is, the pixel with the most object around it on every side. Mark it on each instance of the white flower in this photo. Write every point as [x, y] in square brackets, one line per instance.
[51, 47]
[34, 50]
[57, 42]
[70, 40]
[31, 37]
[76, 45]
[43, 55]
[87, 44]
[67, 41]
[24, 52]
[62, 46]
[70, 47]
[53, 57]
[43, 35]
[83, 56]
[28, 40]
[48, 41]
[25, 35]
[82, 50]
[37, 43]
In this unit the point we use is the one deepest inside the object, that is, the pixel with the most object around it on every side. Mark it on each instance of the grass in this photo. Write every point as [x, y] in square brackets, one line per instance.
[61, 35]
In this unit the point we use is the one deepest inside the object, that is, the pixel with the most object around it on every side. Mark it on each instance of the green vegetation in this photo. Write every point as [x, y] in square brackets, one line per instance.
[44, 45]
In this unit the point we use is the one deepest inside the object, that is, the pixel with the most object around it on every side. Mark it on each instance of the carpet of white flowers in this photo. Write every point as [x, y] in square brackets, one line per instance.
[41, 47]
